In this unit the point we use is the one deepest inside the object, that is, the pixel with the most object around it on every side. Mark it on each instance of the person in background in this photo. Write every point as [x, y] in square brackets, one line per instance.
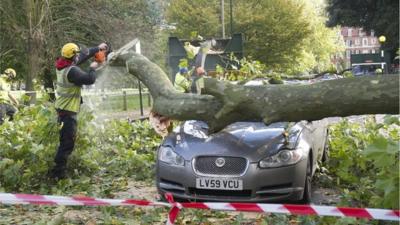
[378, 71]
[8, 102]
[357, 71]
[197, 78]
[70, 78]
[181, 82]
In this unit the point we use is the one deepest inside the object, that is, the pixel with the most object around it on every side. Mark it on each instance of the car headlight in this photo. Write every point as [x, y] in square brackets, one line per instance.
[291, 138]
[167, 155]
[283, 158]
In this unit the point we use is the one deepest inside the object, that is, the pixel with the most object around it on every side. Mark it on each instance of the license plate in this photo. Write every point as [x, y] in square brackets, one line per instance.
[219, 183]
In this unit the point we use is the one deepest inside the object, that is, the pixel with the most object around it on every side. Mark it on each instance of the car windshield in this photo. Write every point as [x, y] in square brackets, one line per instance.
[278, 125]
[199, 129]
[256, 125]
[195, 128]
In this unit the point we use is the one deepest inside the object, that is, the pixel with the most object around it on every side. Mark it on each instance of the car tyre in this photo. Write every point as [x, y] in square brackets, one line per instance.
[161, 196]
[307, 184]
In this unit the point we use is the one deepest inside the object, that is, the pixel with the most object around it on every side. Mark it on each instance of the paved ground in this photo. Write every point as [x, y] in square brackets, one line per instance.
[148, 191]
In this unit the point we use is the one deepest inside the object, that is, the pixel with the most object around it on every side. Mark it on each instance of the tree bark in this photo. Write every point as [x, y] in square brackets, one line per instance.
[223, 103]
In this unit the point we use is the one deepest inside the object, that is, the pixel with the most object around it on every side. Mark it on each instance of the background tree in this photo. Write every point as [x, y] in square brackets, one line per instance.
[189, 16]
[23, 28]
[33, 32]
[322, 43]
[287, 35]
[116, 22]
[382, 16]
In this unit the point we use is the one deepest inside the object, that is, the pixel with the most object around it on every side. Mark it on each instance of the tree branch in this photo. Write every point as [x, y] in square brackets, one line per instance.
[224, 103]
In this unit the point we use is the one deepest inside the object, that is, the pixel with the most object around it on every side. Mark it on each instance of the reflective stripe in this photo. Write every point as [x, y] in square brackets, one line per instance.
[69, 95]
[181, 84]
[65, 85]
[4, 90]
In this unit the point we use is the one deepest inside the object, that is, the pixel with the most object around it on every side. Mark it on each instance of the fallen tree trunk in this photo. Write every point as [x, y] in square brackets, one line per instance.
[224, 103]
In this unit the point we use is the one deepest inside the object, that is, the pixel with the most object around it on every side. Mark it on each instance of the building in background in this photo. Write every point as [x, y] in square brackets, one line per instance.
[358, 41]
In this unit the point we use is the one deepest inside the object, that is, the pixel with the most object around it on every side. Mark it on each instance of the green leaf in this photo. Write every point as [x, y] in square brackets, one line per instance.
[389, 119]
[382, 151]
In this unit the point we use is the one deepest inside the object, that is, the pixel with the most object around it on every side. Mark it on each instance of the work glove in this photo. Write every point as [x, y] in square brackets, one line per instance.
[94, 65]
[103, 46]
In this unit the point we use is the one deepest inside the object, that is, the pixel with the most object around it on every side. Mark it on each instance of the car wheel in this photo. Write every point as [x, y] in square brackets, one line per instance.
[307, 185]
[325, 154]
[161, 196]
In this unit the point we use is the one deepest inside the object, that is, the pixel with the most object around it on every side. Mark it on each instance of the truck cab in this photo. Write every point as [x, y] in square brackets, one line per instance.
[369, 64]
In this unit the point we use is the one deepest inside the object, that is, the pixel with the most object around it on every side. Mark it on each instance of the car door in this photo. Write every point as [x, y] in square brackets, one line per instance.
[319, 133]
[308, 134]
[315, 134]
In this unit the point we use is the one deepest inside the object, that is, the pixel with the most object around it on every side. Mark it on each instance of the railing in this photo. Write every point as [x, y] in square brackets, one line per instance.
[127, 96]
[122, 99]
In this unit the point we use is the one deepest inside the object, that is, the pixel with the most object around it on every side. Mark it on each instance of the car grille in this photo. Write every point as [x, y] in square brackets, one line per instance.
[234, 166]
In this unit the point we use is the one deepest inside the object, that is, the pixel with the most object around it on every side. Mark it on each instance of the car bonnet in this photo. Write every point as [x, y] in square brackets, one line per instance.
[250, 139]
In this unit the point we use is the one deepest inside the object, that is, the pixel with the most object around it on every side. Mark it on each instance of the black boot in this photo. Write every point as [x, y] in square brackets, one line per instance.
[58, 173]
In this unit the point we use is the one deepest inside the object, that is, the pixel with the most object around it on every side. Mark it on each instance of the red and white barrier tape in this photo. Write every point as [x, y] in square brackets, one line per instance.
[176, 208]
[368, 213]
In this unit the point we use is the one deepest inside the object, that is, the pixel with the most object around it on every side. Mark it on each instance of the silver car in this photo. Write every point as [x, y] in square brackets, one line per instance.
[245, 162]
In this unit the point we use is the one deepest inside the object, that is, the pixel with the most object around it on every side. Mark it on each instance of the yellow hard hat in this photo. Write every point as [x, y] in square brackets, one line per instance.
[69, 50]
[10, 72]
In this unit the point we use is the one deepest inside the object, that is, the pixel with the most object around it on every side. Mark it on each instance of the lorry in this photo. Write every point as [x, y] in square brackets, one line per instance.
[370, 64]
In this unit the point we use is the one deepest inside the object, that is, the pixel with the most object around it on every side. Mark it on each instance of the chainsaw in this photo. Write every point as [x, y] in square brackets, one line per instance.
[101, 56]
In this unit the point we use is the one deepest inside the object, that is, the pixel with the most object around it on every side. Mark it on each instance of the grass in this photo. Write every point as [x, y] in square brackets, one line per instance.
[115, 103]
[109, 102]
